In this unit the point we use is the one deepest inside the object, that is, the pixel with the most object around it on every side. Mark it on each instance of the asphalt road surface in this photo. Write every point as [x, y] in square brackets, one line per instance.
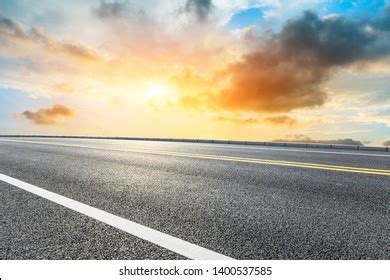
[162, 200]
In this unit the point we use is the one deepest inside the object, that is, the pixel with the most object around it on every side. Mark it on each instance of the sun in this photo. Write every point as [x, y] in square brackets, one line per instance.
[157, 90]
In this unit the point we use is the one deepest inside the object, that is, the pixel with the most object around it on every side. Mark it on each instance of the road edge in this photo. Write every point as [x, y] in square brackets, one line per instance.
[212, 141]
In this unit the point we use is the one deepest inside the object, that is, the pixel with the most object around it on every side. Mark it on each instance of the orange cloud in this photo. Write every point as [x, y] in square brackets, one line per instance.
[287, 70]
[49, 116]
[281, 120]
[277, 120]
[265, 82]
[260, 82]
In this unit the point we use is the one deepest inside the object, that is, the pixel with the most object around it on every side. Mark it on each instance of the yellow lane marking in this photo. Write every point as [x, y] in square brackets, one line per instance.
[385, 172]
[254, 160]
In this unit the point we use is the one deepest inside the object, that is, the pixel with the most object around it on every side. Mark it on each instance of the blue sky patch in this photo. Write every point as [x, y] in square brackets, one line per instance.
[358, 8]
[247, 17]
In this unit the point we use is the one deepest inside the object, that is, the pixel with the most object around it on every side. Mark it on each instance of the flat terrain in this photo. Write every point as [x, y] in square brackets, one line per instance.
[244, 202]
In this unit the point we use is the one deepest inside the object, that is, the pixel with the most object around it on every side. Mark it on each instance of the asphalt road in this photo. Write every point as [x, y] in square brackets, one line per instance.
[240, 201]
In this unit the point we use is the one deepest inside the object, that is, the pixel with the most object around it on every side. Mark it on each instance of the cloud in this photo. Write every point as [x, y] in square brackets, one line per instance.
[13, 33]
[299, 138]
[287, 70]
[110, 9]
[386, 143]
[10, 28]
[200, 8]
[281, 120]
[76, 50]
[118, 10]
[335, 41]
[276, 120]
[264, 82]
[48, 116]
[383, 23]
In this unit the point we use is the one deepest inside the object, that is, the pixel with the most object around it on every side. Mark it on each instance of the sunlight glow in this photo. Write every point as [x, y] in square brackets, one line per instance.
[157, 90]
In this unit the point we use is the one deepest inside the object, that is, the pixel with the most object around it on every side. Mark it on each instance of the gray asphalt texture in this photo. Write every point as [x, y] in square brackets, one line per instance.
[242, 210]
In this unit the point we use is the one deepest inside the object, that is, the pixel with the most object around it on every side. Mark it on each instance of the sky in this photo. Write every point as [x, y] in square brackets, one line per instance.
[304, 71]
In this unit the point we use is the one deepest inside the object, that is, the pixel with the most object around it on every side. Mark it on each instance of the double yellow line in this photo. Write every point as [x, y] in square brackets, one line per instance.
[339, 168]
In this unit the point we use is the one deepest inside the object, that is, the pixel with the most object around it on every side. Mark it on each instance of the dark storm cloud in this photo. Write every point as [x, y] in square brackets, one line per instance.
[326, 42]
[288, 70]
[383, 22]
[201, 8]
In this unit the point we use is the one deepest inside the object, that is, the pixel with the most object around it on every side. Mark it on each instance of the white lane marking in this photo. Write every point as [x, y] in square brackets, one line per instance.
[216, 145]
[164, 240]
